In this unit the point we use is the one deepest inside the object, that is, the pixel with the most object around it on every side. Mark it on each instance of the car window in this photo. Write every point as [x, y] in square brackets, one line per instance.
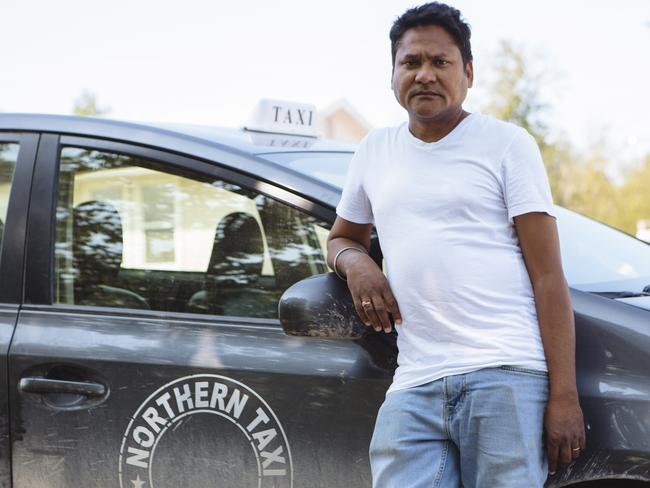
[135, 233]
[8, 158]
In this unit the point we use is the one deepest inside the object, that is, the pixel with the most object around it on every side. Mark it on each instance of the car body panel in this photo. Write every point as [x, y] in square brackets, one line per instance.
[613, 365]
[11, 277]
[641, 302]
[323, 393]
[8, 315]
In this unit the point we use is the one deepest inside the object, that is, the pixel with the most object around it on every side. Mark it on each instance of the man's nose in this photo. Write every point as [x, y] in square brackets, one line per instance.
[426, 74]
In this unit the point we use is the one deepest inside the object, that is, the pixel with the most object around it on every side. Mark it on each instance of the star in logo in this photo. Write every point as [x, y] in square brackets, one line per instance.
[137, 482]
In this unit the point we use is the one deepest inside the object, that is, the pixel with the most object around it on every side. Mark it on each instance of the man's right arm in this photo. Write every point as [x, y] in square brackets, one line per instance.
[372, 296]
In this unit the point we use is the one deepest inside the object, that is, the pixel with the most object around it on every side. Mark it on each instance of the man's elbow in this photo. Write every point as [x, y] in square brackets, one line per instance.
[552, 281]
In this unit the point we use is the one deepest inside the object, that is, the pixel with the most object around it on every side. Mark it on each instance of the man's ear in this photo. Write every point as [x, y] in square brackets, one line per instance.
[469, 72]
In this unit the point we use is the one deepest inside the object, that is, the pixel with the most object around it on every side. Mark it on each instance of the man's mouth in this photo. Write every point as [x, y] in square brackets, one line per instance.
[426, 94]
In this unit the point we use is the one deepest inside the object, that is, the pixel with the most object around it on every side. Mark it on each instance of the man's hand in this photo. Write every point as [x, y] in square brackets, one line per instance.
[368, 286]
[564, 431]
[371, 293]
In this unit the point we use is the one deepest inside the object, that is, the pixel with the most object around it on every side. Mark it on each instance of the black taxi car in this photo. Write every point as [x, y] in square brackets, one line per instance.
[141, 268]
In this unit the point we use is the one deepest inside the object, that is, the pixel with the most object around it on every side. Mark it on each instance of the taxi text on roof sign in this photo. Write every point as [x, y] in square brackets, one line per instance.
[283, 117]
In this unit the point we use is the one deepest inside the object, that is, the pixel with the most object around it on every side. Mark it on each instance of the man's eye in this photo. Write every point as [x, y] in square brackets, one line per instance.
[410, 63]
[441, 62]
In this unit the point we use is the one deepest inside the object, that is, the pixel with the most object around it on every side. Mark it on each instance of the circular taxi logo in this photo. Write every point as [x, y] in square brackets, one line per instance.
[205, 430]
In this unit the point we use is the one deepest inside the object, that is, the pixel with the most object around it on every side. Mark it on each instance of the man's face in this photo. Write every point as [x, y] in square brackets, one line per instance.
[429, 79]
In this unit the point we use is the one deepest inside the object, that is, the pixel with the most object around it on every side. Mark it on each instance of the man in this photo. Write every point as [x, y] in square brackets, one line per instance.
[485, 392]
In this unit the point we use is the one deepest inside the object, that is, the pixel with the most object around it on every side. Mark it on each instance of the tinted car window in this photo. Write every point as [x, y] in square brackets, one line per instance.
[137, 234]
[8, 158]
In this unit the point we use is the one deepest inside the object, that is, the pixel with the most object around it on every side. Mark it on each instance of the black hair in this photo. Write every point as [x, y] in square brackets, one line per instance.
[433, 13]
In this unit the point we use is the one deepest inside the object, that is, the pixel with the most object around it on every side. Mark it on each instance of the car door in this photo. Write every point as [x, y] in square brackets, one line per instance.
[148, 351]
[17, 152]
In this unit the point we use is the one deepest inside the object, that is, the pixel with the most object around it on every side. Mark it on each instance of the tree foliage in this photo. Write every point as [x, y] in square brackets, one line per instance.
[86, 104]
[515, 92]
[636, 196]
[578, 181]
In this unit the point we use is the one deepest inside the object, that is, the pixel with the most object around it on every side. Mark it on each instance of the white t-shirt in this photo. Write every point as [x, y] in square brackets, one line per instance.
[444, 216]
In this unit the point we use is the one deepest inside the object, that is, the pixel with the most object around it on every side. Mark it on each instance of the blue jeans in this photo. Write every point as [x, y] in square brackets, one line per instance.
[481, 429]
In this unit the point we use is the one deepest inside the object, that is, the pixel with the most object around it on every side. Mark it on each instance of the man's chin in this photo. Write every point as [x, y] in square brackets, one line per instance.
[428, 114]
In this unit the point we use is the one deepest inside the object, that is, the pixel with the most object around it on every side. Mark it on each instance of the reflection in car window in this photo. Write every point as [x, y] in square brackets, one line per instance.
[136, 234]
[8, 158]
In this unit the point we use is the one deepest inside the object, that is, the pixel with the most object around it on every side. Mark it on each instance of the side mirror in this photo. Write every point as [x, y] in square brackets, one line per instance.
[320, 306]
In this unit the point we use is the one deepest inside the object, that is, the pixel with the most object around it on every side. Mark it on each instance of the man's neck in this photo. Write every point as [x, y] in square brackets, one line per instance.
[432, 130]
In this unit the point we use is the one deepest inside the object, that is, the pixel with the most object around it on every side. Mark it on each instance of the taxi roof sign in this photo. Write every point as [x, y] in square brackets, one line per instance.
[283, 117]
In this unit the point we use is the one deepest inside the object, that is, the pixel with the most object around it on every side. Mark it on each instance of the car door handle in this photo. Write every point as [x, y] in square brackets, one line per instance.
[45, 385]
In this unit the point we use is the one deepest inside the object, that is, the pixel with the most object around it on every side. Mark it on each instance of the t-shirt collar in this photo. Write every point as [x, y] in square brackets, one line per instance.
[445, 140]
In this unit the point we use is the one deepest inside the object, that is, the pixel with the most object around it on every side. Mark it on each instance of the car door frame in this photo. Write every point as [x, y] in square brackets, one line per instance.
[11, 270]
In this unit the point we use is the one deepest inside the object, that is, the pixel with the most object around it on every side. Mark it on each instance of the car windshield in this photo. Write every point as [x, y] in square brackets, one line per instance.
[595, 257]
[330, 167]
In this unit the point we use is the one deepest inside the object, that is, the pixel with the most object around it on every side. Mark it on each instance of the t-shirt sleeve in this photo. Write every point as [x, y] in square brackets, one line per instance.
[525, 183]
[355, 204]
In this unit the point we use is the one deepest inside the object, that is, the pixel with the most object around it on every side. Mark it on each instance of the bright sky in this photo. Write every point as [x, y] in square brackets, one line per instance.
[209, 61]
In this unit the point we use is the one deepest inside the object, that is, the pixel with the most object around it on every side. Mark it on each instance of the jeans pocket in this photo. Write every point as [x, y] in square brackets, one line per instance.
[528, 371]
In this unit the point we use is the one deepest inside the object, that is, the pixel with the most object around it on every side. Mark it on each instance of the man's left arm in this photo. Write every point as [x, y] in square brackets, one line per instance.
[563, 423]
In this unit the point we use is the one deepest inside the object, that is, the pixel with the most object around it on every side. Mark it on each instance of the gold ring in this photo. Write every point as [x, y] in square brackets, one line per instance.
[575, 449]
[365, 302]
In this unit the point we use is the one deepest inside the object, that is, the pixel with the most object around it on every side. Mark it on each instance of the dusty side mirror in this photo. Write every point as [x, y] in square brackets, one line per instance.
[320, 306]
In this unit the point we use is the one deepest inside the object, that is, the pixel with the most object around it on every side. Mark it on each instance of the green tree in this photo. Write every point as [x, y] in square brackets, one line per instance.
[578, 181]
[515, 91]
[636, 197]
[86, 104]
[516, 96]
[592, 193]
